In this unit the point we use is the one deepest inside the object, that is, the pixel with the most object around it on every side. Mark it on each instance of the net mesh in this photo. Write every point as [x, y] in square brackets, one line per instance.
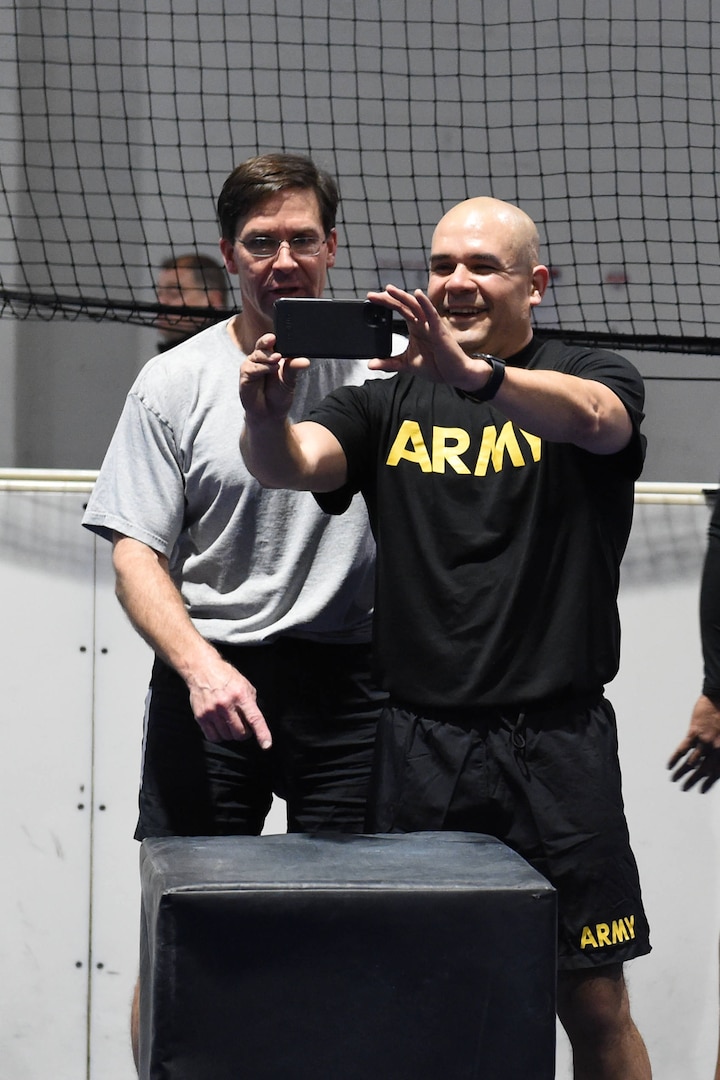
[119, 122]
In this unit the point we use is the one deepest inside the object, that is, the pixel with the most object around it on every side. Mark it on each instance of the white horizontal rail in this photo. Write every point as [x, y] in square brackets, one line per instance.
[651, 491]
[82, 480]
[57, 480]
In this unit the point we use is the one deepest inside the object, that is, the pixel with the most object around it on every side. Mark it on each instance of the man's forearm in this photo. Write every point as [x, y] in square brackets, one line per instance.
[222, 699]
[565, 408]
[156, 609]
[301, 457]
[270, 453]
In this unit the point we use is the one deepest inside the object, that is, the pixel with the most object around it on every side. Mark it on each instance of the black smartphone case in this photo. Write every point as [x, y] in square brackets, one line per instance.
[346, 329]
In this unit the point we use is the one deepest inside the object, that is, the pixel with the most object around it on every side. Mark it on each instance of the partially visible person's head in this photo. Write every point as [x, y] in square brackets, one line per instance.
[485, 276]
[189, 280]
[277, 218]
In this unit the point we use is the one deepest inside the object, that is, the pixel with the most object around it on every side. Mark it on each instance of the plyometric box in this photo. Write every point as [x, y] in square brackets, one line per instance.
[425, 956]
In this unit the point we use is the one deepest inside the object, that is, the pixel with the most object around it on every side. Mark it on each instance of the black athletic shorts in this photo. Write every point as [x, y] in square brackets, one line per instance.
[322, 710]
[546, 783]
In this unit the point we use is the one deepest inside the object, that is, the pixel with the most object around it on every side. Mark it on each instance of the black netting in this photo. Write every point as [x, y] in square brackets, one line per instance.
[119, 122]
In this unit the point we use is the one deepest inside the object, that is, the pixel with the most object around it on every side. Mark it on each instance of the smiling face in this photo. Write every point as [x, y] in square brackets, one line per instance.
[484, 276]
[288, 214]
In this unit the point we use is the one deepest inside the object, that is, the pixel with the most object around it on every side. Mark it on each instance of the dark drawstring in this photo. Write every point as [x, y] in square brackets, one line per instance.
[518, 740]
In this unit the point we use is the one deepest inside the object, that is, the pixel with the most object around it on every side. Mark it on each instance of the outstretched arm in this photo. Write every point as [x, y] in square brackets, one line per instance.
[550, 404]
[304, 456]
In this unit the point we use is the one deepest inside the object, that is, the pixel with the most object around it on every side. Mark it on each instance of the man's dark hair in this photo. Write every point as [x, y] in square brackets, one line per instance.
[252, 182]
[207, 272]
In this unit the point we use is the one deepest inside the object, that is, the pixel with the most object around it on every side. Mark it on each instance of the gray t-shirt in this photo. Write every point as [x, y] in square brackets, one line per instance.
[250, 563]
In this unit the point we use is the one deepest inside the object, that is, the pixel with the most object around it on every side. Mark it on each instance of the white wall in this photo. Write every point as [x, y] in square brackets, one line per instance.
[74, 677]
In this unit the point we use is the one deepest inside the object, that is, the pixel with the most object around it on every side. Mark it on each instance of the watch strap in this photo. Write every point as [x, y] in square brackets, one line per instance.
[491, 387]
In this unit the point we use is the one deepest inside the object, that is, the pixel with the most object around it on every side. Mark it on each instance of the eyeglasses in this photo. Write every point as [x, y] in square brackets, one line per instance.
[265, 247]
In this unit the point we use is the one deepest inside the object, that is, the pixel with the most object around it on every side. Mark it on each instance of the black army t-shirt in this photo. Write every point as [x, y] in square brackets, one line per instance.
[498, 551]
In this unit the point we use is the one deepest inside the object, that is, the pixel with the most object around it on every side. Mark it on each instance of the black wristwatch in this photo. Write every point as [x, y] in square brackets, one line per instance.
[491, 387]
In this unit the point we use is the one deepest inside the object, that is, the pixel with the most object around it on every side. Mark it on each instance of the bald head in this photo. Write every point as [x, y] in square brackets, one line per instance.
[485, 278]
[519, 232]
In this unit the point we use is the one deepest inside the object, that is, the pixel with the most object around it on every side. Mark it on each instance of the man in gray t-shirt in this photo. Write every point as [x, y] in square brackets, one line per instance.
[256, 604]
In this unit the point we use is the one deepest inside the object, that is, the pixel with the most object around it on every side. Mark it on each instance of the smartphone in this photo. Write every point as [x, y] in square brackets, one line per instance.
[346, 329]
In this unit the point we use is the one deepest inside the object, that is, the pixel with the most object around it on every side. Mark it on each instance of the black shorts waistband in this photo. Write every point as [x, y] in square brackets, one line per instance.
[488, 714]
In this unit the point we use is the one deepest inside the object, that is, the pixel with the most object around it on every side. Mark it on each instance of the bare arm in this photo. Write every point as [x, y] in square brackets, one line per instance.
[222, 700]
[304, 456]
[565, 408]
[550, 404]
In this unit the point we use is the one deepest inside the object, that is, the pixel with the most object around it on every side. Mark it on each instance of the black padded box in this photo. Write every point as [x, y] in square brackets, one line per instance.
[424, 956]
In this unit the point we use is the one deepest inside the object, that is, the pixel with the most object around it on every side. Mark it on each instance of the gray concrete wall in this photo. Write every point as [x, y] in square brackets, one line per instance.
[70, 384]
[682, 409]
